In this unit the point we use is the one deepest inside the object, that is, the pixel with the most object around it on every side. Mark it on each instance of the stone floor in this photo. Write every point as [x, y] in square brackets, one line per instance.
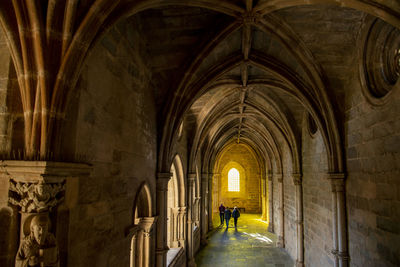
[248, 245]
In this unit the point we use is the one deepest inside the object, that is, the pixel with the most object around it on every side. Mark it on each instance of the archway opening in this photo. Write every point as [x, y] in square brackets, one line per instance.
[237, 181]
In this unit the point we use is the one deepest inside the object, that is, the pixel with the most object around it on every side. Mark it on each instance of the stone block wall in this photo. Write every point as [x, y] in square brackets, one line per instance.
[119, 139]
[289, 206]
[372, 144]
[317, 203]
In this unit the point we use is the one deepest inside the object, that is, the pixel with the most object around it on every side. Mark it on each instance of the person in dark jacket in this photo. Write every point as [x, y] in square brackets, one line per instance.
[221, 213]
[235, 215]
[227, 216]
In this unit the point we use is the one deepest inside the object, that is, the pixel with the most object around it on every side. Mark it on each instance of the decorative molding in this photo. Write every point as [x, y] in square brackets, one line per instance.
[36, 197]
[337, 181]
[297, 178]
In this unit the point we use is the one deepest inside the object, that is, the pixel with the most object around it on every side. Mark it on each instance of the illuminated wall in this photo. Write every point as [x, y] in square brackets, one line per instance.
[242, 158]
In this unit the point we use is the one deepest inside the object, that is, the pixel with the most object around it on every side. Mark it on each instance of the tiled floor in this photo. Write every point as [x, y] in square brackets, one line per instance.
[248, 245]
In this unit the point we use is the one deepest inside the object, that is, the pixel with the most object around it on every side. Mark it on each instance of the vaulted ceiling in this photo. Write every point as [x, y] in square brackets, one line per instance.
[232, 71]
[252, 74]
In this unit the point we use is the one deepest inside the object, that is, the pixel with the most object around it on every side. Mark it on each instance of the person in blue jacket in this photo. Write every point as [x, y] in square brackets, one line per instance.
[235, 215]
[227, 216]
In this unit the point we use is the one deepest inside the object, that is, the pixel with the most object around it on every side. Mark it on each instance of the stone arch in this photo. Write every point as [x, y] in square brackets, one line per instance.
[176, 206]
[142, 230]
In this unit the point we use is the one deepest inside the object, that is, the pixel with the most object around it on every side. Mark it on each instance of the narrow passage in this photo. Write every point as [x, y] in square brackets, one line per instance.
[249, 245]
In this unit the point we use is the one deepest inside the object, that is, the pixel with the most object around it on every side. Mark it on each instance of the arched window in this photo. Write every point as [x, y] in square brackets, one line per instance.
[233, 180]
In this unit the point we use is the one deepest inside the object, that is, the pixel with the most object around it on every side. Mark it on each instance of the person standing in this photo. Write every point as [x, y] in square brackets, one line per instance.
[221, 213]
[235, 215]
[227, 216]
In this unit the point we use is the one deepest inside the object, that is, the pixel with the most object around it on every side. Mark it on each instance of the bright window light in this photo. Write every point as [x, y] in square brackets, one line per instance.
[233, 180]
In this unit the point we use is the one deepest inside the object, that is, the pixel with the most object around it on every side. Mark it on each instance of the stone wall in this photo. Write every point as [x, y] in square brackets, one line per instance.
[372, 144]
[115, 131]
[240, 157]
[289, 204]
[317, 201]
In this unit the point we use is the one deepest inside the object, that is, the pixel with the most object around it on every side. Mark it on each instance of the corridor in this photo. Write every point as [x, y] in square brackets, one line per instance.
[250, 245]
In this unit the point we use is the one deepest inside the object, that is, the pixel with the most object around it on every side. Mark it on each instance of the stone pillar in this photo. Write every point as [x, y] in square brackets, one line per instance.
[211, 177]
[174, 225]
[162, 203]
[270, 204]
[139, 248]
[340, 230]
[281, 233]
[264, 204]
[146, 224]
[190, 249]
[45, 188]
[297, 180]
[133, 233]
[204, 208]
[182, 226]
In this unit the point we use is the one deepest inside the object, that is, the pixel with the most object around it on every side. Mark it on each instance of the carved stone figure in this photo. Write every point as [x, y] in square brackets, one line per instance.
[39, 248]
[37, 197]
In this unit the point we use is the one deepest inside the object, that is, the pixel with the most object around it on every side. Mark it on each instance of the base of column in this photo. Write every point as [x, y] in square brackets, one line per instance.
[161, 257]
[343, 259]
[299, 264]
[271, 227]
[280, 243]
[191, 263]
[204, 241]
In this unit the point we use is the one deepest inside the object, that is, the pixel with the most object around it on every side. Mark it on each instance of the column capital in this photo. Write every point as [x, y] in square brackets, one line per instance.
[182, 209]
[164, 175]
[279, 177]
[297, 178]
[192, 176]
[39, 186]
[147, 223]
[162, 181]
[205, 175]
[336, 175]
[337, 181]
[269, 176]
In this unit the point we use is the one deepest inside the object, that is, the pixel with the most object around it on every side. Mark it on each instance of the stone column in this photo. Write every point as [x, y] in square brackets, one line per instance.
[211, 177]
[43, 188]
[297, 180]
[339, 203]
[204, 208]
[174, 225]
[281, 233]
[264, 204]
[270, 204]
[139, 248]
[182, 226]
[146, 224]
[162, 203]
[133, 235]
[190, 250]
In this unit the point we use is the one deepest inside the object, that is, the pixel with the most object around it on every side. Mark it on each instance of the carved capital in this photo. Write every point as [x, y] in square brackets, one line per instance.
[147, 223]
[279, 177]
[162, 181]
[36, 197]
[297, 178]
[337, 181]
[269, 177]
